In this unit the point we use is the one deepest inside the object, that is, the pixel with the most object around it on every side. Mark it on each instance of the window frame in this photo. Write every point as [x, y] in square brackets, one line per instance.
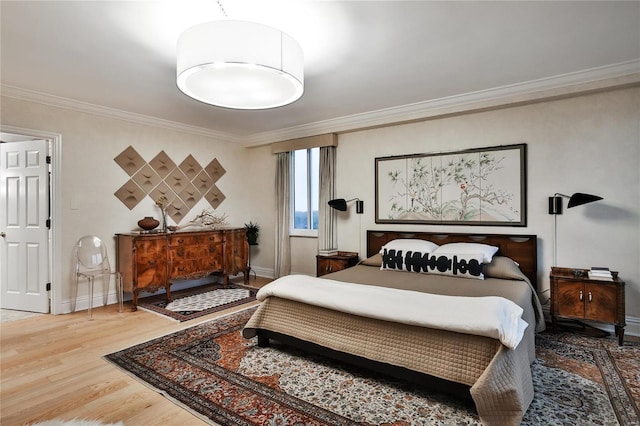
[308, 232]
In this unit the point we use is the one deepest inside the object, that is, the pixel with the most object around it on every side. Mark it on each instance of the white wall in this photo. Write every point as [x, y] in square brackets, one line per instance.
[584, 144]
[90, 176]
[260, 179]
[587, 144]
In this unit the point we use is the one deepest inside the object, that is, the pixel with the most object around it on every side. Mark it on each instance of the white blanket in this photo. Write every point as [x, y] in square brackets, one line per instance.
[489, 316]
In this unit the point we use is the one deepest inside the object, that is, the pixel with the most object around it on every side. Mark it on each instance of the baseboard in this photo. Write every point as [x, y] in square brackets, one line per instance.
[262, 272]
[82, 304]
[632, 328]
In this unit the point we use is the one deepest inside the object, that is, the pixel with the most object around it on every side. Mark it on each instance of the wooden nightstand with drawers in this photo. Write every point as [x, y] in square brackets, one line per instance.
[575, 296]
[336, 262]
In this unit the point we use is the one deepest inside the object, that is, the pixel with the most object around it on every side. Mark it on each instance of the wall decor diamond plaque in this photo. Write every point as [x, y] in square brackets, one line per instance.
[202, 182]
[215, 197]
[147, 178]
[190, 196]
[130, 161]
[130, 194]
[215, 170]
[190, 167]
[162, 164]
[163, 190]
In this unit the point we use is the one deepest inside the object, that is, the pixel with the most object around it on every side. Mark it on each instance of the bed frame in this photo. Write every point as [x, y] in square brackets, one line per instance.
[521, 248]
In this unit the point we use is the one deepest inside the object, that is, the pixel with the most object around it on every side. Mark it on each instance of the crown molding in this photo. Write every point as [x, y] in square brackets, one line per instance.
[571, 84]
[85, 107]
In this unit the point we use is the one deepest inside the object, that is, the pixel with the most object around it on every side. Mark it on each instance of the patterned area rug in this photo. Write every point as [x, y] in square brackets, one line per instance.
[221, 377]
[199, 301]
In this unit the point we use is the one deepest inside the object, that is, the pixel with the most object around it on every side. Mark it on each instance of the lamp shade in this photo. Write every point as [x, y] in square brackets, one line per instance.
[339, 204]
[579, 198]
[240, 65]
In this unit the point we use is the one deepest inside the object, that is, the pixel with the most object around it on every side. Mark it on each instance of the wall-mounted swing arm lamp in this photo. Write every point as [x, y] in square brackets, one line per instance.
[577, 199]
[341, 204]
[555, 208]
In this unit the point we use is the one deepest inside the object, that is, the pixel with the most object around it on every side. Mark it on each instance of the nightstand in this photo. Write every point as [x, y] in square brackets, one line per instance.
[575, 296]
[336, 262]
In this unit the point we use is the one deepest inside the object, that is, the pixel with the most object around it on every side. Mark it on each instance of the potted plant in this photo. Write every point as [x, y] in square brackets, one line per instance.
[252, 233]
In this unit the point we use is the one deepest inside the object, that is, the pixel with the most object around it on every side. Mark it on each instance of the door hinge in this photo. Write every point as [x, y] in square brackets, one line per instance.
[48, 286]
[49, 223]
[48, 159]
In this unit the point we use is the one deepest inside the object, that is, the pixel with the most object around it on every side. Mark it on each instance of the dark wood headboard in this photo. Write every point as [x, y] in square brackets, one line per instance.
[521, 248]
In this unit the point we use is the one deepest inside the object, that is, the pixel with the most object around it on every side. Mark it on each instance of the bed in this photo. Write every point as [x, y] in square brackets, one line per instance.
[494, 369]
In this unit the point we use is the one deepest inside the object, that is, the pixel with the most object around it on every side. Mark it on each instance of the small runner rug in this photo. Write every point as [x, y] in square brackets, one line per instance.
[223, 378]
[199, 301]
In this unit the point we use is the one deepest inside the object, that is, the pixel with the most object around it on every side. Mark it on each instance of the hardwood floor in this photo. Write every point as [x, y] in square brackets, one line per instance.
[52, 367]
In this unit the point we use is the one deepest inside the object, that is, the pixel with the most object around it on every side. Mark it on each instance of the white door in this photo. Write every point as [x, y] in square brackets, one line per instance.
[24, 234]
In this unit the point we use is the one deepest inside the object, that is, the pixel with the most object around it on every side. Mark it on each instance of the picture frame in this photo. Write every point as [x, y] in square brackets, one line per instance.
[480, 186]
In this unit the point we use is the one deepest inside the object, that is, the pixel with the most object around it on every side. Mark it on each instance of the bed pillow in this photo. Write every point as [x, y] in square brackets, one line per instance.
[503, 267]
[468, 248]
[375, 260]
[458, 265]
[408, 244]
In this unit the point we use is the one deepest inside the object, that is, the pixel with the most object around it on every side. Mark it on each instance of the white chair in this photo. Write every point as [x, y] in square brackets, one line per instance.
[91, 262]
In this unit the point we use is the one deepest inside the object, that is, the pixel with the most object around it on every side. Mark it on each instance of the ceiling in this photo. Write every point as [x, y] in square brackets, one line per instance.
[362, 58]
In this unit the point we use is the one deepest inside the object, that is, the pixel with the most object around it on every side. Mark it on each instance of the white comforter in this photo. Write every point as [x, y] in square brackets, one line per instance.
[490, 316]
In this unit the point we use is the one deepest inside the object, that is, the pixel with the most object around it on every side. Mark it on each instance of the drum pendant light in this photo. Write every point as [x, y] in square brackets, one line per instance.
[240, 65]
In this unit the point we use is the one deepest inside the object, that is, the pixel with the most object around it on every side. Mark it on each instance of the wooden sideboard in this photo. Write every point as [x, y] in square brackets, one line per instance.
[149, 262]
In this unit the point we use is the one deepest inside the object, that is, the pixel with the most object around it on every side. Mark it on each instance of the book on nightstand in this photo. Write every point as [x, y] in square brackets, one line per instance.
[328, 252]
[600, 273]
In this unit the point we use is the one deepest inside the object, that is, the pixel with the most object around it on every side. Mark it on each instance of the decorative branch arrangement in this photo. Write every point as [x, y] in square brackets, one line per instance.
[206, 219]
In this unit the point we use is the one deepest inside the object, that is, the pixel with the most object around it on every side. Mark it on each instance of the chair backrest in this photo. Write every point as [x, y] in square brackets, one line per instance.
[91, 254]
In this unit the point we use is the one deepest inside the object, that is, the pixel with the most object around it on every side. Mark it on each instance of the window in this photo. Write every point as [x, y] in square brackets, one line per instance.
[305, 176]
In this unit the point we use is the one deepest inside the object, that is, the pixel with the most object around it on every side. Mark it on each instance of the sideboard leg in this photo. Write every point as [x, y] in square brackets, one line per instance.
[135, 300]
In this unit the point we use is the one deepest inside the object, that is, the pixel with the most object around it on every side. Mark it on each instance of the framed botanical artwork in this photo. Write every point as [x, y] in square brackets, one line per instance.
[483, 186]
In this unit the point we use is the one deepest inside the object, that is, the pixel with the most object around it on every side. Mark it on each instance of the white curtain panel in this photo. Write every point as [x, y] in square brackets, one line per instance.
[283, 196]
[327, 237]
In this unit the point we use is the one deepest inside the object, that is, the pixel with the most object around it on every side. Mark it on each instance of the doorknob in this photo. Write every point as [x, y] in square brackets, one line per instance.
[2, 234]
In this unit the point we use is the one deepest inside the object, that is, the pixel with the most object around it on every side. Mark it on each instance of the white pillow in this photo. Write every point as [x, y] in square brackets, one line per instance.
[408, 244]
[486, 250]
[468, 265]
